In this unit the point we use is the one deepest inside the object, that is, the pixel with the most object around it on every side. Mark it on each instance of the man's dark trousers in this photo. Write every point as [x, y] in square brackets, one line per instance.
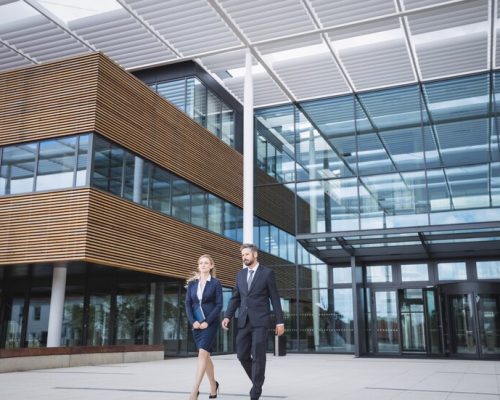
[251, 344]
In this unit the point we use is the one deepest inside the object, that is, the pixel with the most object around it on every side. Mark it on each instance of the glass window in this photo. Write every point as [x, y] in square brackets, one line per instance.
[56, 164]
[233, 222]
[214, 108]
[200, 103]
[18, 168]
[108, 166]
[71, 333]
[38, 321]
[174, 92]
[414, 272]
[344, 320]
[379, 273]
[180, 199]
[313, 276]
[342, 275]
[128, 176]
[99, 318]
[131, 327]
[452, 271]
[161, 182]
[215, 214]
[488, 269]
[82, 164]
[227, 125]
[199, 207]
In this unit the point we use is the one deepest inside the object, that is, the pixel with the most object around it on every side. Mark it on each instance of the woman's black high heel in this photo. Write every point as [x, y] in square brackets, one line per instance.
[214, 396]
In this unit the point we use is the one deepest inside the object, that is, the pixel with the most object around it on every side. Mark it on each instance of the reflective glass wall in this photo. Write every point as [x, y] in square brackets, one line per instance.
[191, 96]
[398, 157]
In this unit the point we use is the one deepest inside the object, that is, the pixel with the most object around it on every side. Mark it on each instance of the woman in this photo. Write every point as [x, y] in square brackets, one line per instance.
[203, 306]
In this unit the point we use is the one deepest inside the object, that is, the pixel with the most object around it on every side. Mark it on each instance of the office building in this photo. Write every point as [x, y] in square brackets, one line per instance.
[376, 169]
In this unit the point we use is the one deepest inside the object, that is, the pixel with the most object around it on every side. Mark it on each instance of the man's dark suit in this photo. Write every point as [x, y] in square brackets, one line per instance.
[254, 320]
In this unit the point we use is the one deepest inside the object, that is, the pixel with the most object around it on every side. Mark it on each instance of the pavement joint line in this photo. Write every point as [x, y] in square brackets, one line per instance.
[159, 391]
[431, 391]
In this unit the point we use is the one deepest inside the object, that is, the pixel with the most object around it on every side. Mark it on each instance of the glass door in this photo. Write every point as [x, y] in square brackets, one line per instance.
[488, 315]
[461, 317]
[434, 338]
[385, 314]
[411, 309]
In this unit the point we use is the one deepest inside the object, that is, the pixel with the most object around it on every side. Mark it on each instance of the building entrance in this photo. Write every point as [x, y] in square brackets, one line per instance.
[472, 320]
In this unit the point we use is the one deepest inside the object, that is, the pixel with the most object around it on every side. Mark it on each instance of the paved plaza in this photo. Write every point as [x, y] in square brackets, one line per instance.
[293, 377]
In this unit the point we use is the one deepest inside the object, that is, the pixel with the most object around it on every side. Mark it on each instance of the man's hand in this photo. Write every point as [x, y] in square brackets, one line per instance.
[204, 325]
[280, 330]
[196, 325]
[225, 324]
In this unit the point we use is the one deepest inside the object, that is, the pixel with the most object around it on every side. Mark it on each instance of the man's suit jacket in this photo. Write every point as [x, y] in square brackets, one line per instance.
[254, 304]
[211, 301]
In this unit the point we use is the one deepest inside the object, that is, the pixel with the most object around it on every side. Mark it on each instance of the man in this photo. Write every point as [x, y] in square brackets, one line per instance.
[255, 286]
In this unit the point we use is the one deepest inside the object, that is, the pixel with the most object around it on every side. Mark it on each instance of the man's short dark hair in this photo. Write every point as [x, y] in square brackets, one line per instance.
[253, 248]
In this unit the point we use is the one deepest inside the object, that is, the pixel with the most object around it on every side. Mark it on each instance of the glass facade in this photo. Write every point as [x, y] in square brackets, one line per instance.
[102, 306]
[400, 181]
[65, 163]
[191, 96]
[392, 158]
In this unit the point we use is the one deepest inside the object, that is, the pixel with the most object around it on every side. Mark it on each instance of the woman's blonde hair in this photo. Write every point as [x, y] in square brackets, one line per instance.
[196, 274]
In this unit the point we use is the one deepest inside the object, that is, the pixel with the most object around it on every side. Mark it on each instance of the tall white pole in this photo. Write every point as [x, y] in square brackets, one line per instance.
[248, 166]
[56, 305]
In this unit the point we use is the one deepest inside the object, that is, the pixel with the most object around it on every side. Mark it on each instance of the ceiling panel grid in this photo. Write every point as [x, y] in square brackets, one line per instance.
[454, 56]
[41, 39]
[346, 11]
[315, 76]
[191, 26]
[266, 91]
[263, 19]
[380, 64]
[120, 36]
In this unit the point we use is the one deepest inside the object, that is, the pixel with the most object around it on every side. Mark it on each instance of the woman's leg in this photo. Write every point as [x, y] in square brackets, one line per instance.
[203, 356]
[211, 375]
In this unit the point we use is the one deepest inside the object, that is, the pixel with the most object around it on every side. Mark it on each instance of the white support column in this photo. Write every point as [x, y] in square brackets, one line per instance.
[248, 164]
[138, 168]
[56, 305]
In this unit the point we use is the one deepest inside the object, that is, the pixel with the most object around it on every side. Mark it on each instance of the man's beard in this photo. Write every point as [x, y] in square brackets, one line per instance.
[247, 262]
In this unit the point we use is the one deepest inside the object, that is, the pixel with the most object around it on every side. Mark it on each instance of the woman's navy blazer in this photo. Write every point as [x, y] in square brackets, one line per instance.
[211, 302]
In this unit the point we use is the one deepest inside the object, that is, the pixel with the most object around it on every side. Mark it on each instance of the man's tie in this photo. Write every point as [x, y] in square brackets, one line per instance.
[250, 277]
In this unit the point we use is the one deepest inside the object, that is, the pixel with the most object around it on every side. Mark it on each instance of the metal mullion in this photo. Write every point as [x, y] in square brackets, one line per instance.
[424, 151]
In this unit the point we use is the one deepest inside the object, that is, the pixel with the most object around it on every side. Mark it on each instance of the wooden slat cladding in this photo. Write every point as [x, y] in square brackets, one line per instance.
[131, 114]
[126, 235]
[43, 227]
[90, 225]
[48, 100]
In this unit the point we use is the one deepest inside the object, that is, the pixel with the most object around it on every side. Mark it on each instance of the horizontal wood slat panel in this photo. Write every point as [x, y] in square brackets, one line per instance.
[43, 227]
[124, 234]
[52, 99]
[134, 116]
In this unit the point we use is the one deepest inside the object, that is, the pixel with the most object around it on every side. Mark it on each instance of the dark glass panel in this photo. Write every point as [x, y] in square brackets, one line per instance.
[108, 166]
[181, 199]
[160, 196]
[199, 209]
